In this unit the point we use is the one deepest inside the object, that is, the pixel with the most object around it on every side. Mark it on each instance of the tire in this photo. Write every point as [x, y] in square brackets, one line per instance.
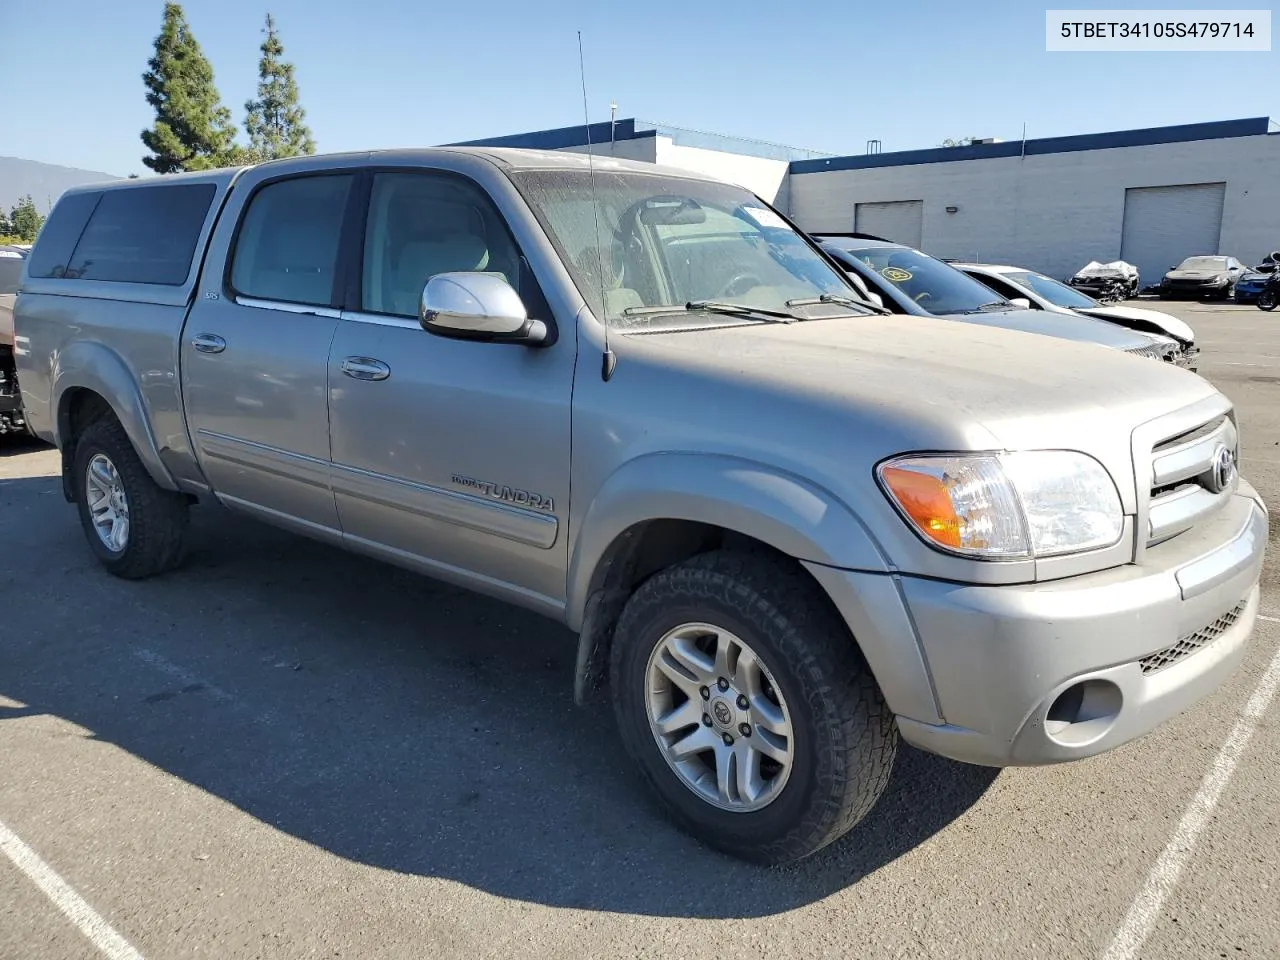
[1267, 300]
[155, 520]
[842, 735]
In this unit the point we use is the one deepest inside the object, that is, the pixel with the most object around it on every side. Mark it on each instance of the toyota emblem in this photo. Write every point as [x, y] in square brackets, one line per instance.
[1224, 469]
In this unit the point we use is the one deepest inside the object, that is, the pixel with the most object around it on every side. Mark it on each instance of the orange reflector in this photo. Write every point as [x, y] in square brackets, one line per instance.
[925, 500]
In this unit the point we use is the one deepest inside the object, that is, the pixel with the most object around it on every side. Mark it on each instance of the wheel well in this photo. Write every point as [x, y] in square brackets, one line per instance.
[78, 409]
[636, 555]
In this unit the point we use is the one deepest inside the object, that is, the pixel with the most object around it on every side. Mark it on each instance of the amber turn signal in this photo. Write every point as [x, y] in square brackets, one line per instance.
[924, 498]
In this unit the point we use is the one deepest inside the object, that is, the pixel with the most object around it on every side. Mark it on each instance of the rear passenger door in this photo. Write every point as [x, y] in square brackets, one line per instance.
[256, 345]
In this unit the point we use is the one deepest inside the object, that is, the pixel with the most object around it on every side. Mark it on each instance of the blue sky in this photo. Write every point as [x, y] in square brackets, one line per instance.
[818, 74]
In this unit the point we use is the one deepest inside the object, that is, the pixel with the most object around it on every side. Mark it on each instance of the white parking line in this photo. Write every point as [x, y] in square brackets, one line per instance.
[86, 919]
[1163, 877]
[1269, 619]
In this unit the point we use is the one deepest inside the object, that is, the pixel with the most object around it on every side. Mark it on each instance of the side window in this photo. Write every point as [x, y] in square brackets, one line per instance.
[142, 234]
[1003, 288]
[287, 243]
[422, 224]
[61, 233]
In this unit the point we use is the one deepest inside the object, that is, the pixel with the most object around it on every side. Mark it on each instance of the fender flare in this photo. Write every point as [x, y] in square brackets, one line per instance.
[91, 365]
[792, 515]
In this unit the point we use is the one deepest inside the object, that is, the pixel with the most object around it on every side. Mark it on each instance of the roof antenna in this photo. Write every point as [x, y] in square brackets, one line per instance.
[608, 361]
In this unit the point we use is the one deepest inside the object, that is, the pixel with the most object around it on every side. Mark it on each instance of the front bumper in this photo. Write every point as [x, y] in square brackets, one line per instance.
[1048, 672]
[1194, 288]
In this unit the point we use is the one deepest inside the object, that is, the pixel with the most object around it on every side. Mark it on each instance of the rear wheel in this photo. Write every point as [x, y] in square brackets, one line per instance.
[134, 527]
[1267, 300]
[748, 708]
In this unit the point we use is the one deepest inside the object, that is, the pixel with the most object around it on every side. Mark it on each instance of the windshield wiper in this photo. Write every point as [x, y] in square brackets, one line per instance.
[841, 300]
[715, 306]
[992, 306]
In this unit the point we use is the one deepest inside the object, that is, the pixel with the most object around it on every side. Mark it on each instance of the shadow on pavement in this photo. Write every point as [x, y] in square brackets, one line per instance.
[389, 719]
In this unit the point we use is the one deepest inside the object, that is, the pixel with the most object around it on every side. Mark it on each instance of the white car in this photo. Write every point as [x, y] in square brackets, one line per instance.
[1045, 293]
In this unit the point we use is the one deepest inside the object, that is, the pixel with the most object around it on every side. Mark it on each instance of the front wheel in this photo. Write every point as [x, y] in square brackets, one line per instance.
[1267, 300]
[748, 708]
[134, 527]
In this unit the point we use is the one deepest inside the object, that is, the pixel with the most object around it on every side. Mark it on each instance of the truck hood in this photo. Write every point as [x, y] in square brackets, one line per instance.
[804, 395]
[1064, 326]
[1150, 321]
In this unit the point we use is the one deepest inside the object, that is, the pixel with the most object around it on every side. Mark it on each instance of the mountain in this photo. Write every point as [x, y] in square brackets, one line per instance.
[44, 181]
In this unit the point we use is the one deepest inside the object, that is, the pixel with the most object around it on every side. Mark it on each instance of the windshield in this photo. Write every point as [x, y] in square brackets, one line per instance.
[932, 284]
[671, 241]
[1059, 294]
[1203, 263]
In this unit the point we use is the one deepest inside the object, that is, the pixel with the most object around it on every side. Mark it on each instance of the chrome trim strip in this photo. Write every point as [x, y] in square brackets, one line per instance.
[284, 306]
[449, 506]
[1190, 459]
[381, 320]
[1181, 510]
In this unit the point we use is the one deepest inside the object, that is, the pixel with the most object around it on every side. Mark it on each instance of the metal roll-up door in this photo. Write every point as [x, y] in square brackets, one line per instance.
[1164, 225]
[899, 220]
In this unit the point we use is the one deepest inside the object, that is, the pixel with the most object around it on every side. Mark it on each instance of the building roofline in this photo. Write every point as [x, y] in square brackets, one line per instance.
[559, 137]
[633, 129]
[1147, 136]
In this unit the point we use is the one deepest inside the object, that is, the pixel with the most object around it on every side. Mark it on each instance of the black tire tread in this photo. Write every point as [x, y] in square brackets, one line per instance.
[856, 756]
[157, 518]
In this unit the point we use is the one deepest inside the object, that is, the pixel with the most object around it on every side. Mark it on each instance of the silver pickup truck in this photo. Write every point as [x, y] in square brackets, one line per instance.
[787, 528]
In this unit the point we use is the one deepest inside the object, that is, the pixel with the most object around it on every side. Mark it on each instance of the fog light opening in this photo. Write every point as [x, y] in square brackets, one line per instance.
[1083, 712]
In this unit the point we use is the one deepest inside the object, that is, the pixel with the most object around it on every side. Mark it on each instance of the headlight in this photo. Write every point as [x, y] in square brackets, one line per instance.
[1006, 506]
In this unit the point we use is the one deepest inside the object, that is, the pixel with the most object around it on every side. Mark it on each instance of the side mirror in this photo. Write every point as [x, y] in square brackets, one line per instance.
[477, 306]
[1021, 302]
[875, 298]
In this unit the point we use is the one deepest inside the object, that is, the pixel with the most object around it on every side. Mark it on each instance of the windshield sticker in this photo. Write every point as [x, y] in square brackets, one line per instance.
[765, 218]
[896, 274]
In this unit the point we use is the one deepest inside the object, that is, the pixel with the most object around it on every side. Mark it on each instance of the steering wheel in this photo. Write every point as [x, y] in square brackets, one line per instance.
[741, 283]
[922, 296]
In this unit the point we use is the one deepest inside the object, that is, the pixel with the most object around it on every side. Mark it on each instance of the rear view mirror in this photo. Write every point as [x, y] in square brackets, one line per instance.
[876, 299]
[477, 306]
[1021, 302]
[669, 211]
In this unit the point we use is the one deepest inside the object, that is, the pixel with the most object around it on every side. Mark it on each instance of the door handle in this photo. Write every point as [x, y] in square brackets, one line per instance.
[365, 368]
[208, 343]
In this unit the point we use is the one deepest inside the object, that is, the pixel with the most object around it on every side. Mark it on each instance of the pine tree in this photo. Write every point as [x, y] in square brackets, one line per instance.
[193, 130]
[276, 124]
[25, 220]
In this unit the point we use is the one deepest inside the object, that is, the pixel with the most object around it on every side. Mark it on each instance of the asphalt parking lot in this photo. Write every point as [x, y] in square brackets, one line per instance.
[286, 751]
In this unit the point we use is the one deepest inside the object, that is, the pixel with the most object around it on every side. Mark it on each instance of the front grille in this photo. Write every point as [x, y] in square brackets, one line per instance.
[1192, 642]
[1184, 489]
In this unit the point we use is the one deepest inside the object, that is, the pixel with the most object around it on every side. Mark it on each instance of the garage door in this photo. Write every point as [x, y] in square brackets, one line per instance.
[1164, 225]
[900, 220]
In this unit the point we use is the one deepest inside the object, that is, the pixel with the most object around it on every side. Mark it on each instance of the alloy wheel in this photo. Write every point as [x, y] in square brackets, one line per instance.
[108, 503]
[718, 718]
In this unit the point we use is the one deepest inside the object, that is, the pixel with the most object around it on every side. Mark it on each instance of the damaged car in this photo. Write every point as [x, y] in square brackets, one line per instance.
[1108, 282]
[1046, 293]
